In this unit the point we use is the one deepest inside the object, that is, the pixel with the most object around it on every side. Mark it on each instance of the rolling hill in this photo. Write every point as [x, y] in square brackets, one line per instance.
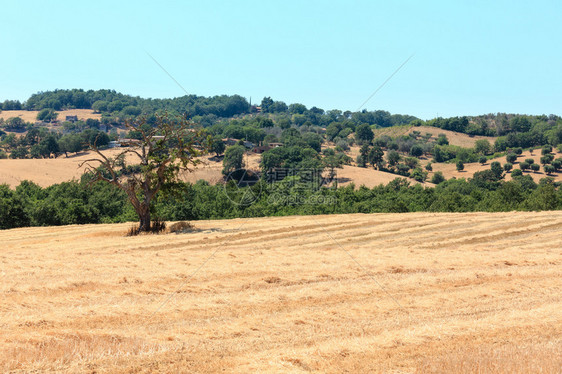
[31, 115]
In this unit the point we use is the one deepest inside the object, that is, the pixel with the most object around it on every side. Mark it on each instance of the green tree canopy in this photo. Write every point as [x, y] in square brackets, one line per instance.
[233, 159]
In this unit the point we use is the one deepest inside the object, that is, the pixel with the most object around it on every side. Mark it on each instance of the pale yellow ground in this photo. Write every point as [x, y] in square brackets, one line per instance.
[450, 170]
[343, 293]
[368, 177]
[31, 115]
[455, 138]
[46, 172]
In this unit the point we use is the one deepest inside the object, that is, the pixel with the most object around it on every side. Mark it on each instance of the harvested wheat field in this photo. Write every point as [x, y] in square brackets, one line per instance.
[344, 293]
[48, 171]
[31, 115]
[369, 177]
[455, 138]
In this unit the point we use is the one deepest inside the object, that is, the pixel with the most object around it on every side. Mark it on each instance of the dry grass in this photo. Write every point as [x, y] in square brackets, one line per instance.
[368, 177]
[46, 172]
[455, 138]
[31, 115]
[392, 131]
[468, 293]
[450, 170]
[509, 358]
[181, 227]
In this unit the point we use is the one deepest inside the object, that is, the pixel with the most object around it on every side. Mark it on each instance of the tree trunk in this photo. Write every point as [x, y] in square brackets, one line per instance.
[144, 216]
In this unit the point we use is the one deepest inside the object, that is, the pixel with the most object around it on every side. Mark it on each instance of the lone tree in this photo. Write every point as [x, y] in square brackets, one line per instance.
[162, 152]
[217, 145]
[375, 157]
[364, 134]
[233, 159]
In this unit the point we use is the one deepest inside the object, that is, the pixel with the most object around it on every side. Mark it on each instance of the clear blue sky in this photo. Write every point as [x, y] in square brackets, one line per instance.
[470, 57]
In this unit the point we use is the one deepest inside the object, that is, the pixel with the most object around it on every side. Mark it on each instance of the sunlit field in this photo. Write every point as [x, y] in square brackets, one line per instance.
[344, 293]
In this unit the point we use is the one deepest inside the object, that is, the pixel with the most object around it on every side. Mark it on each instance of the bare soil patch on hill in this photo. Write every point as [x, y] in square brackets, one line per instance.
[450, 170]
[455, 138]
[31, 115]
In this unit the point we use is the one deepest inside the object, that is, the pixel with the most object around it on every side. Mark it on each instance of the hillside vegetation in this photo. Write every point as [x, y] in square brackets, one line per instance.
[344, 293]
[494, 162]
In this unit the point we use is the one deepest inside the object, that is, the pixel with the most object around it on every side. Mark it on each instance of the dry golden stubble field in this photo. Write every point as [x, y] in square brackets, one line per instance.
[416, 292]
[48, 171]
[31, 115]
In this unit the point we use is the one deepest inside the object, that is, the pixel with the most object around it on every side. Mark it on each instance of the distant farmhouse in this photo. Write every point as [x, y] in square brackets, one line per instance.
[71, 119]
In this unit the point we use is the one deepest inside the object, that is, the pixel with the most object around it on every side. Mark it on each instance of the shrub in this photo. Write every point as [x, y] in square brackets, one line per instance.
[343, 144]
[507, 166]
[546, 150]
[419, 175]
[437, 178]
[460, 165]
[516, 173]
[549, 169]
[47, 115]
[442, 139]
[382, 141]
[181, 227]
[482, 146]
[403, 170]
[545, 159]
[416, 150]
[393, 158]
[133, 231]
[511, 157]
[535, 167]
[497, 169]
[483, 159]
[156, 227]
[361, 161]
[412, 162]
